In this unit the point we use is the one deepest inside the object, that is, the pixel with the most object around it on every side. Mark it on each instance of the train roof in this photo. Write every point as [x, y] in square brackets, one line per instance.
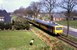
[43, 22]
[46, 22]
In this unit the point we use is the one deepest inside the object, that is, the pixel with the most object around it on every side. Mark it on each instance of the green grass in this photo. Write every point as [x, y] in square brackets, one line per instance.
[72, 23]
[19, 40]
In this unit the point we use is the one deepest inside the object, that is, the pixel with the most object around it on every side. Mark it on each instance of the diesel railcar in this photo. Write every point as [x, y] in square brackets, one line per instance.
[49, 26]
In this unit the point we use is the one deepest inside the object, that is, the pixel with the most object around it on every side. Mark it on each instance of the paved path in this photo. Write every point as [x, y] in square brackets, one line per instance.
[72, 31]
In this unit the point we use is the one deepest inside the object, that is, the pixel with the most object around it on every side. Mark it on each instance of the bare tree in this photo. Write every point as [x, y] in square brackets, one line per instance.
[68, 5]
[20, 11]
[28, 11]
[49, 5]
[36, 8]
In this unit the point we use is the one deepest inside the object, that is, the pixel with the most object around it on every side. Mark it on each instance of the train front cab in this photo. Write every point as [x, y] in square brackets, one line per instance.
[58, 30]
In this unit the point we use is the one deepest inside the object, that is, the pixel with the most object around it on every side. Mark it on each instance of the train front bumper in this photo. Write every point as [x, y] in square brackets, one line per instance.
[58, 32]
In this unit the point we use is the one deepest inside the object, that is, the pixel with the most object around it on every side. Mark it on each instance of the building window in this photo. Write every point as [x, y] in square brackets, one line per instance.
[1, 19]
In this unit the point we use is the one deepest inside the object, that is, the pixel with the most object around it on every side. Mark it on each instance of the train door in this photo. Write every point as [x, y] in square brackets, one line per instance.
[49, 28]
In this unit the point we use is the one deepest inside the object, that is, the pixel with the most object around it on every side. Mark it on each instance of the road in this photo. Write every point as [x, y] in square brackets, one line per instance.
[73, 33]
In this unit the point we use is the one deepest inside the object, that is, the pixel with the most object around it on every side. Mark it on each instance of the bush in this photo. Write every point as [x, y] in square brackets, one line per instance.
[1, 25]
[20, 25]
[7, 26]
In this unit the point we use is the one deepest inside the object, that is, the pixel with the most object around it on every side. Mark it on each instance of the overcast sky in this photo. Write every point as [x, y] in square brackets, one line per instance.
[11, 5]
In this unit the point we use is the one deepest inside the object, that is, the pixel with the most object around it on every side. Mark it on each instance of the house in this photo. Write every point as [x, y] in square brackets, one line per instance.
[4, 16]
[73, 18]
[56, 16]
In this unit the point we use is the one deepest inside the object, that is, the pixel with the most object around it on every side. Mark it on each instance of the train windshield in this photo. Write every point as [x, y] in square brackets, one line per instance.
[58, 28]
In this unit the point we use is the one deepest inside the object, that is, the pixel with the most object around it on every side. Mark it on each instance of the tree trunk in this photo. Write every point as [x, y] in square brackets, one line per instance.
[51, 17]
[13, 22]
[68, 18]
[67, 26]
[35, 15]
[13, 27]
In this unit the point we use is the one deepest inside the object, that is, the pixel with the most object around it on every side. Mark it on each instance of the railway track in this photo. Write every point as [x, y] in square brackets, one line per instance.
[65, 39]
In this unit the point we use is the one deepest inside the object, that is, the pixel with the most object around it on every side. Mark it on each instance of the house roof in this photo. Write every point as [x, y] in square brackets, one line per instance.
[3, 13]
[6, 16]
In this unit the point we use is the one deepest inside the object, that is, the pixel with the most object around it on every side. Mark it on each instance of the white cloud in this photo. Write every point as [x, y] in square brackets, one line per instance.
[1, 1]
[11, 5]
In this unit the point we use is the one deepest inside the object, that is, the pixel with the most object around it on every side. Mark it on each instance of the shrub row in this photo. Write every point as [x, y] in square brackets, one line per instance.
[17, 25]
[5, 25]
